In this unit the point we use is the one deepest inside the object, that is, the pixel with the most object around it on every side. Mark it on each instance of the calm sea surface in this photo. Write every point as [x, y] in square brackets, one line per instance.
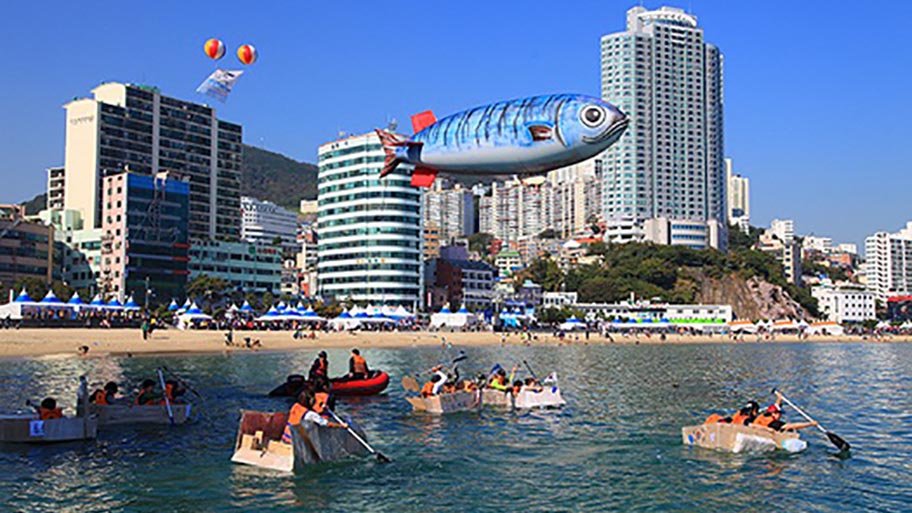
[615, 447]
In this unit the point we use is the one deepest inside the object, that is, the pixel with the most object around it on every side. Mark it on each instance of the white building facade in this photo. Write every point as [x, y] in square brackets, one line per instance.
[451, 209]
[127, 126]
[888, 263]
[738, 201]
[845, 305]
[369, 228]
[263, 221]
[669, 163]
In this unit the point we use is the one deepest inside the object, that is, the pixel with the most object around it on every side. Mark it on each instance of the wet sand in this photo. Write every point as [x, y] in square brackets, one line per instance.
[101, 342]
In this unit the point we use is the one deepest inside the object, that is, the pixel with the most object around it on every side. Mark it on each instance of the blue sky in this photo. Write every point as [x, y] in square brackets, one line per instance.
[817, 96]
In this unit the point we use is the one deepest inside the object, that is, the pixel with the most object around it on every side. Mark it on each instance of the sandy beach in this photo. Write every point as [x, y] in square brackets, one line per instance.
[101, 342]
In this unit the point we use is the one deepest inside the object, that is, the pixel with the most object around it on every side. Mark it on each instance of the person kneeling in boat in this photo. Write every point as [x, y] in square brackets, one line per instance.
[323, 400]
[435, 383]
[500, 382]
[772, 418]
[147, 395]
[357, 366]
[302, 411]
[173, 391]
[320, 367]
[104, 396]
[49, 410]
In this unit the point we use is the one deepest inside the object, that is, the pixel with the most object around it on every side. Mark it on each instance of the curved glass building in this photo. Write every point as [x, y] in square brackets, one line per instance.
[368, 228]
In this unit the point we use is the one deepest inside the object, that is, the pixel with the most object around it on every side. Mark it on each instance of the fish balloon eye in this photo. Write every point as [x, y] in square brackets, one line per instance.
[592, 116]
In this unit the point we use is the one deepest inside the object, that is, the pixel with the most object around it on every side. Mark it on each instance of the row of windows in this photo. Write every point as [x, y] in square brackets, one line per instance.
[350, 150]
[372, 255]
[370, 268]
[369, 219]
[414, 196]
[384, 182]
[326, 280]
[360, 244]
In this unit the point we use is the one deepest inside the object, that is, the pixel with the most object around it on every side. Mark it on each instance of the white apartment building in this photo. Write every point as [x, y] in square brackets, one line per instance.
[784, 229]
[669, 163]
[515, 209]
[450, 209]
[845, 305]
[738, 200]
[369, 244]
[135, 127]
[576, 198]
[56, 185]
[787, 251]
[888, 263]
[263, 221]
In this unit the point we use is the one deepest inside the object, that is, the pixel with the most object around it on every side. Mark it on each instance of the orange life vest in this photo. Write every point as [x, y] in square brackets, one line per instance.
[321, 367]
[739, 418]
[320, 400]
[428, 389]
[169, 394]
[763, 420]
[49, 414]
[99, 397]
[295, 415]
[714, 418]
[359, 364]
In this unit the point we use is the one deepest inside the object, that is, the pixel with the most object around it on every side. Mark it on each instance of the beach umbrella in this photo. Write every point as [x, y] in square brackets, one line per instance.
[75, 300]
[51, 299]
[172, 306]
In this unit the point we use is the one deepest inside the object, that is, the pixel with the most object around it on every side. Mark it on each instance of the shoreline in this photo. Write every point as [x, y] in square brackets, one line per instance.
[35, 342]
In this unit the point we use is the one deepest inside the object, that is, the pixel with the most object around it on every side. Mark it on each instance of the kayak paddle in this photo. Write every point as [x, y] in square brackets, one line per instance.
[182, 382]
[835, 439]
[380, 457]
[161, 379]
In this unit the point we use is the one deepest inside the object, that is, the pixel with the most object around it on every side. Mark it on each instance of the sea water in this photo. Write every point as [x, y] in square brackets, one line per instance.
[616, 446]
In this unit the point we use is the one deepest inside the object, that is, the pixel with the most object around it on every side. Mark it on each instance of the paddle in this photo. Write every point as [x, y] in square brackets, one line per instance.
[532, 372]
[182, 382]
[835, 439]
[380, 457]
[161, 379]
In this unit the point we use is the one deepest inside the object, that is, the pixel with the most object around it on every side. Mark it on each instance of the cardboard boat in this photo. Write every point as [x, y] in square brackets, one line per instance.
[259, 442]
[447, 403]
[547, 397]
[740, 439]
[119, 414]
[28, 428]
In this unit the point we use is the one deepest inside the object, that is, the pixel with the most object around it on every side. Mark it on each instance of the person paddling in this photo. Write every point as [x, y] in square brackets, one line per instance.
[320, 367]
[104, 396]
[357, 366]
[302, 411]
[772, 418]
[147, 394]
[434, 384]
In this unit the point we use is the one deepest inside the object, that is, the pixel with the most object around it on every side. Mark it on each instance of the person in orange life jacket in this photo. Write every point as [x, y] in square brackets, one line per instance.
[435, 383]
[147, 394]
[320, 367]
[172, 391]
[49, 410]
[302, 411]
[357, 366]
[743, 417]
[772, 418]
[517, 387]
[104, 396]
[323, 399]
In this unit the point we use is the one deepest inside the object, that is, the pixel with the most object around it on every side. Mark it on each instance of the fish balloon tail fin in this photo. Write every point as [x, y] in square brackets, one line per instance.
[391, 146]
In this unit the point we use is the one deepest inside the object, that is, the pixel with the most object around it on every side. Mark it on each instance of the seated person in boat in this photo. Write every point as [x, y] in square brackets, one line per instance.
[357, 366]
[323, 400]
[147, 395]
[745, 416]
[500, 381]
[104, 396]
[49, 410]
[302, 411]
[772, 418]
[173, 391]
[436, 382]
[533, 385]
[320, 367]
[517, 387]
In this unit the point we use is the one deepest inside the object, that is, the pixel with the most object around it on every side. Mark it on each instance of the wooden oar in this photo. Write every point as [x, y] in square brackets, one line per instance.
[835, 439]
[532, 372]
[161, 379]
[380, 457]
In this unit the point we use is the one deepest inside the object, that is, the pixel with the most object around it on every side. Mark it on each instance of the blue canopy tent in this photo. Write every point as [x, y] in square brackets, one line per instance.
[23, 297]
[172, 307]
[75, 300]
[131, 304]
[51, 299]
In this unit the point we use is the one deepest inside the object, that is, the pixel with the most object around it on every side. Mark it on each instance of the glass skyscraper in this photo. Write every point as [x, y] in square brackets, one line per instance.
[368, 228]
[666, 175]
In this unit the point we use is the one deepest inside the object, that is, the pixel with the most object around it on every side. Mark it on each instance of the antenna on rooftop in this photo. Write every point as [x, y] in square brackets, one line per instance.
[392, 125]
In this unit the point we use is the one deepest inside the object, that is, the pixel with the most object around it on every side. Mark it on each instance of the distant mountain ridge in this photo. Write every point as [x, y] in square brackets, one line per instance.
[271, 176]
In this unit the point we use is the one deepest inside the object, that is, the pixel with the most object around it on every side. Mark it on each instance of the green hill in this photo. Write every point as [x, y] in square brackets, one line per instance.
[267, 175]
[36, 204]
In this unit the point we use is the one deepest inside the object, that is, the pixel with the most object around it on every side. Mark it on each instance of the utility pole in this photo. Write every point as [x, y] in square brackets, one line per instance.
[148, 293]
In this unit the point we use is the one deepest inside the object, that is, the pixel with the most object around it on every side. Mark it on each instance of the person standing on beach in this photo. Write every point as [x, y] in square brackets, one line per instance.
[145, 329]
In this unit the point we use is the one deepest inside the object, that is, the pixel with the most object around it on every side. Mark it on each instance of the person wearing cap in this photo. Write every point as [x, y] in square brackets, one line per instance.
[320, 367]
[772, 418]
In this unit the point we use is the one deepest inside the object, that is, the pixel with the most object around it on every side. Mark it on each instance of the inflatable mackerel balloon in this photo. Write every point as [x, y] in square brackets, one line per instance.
[517, 137]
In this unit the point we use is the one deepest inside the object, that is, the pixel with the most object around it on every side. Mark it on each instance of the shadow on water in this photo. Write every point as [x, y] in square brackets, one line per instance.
[616, 445]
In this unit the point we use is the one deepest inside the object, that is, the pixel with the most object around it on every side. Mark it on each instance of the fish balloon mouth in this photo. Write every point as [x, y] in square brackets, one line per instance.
[612, 134]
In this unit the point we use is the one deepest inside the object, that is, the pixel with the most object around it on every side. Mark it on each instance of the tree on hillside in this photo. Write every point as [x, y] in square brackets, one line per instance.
[545, 272]
[206, 287]
[480, 242]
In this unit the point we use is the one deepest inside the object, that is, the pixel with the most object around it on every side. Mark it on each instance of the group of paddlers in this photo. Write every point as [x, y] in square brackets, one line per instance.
[315, 402]
[770, 418]
[441, 382]
[147, 395]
